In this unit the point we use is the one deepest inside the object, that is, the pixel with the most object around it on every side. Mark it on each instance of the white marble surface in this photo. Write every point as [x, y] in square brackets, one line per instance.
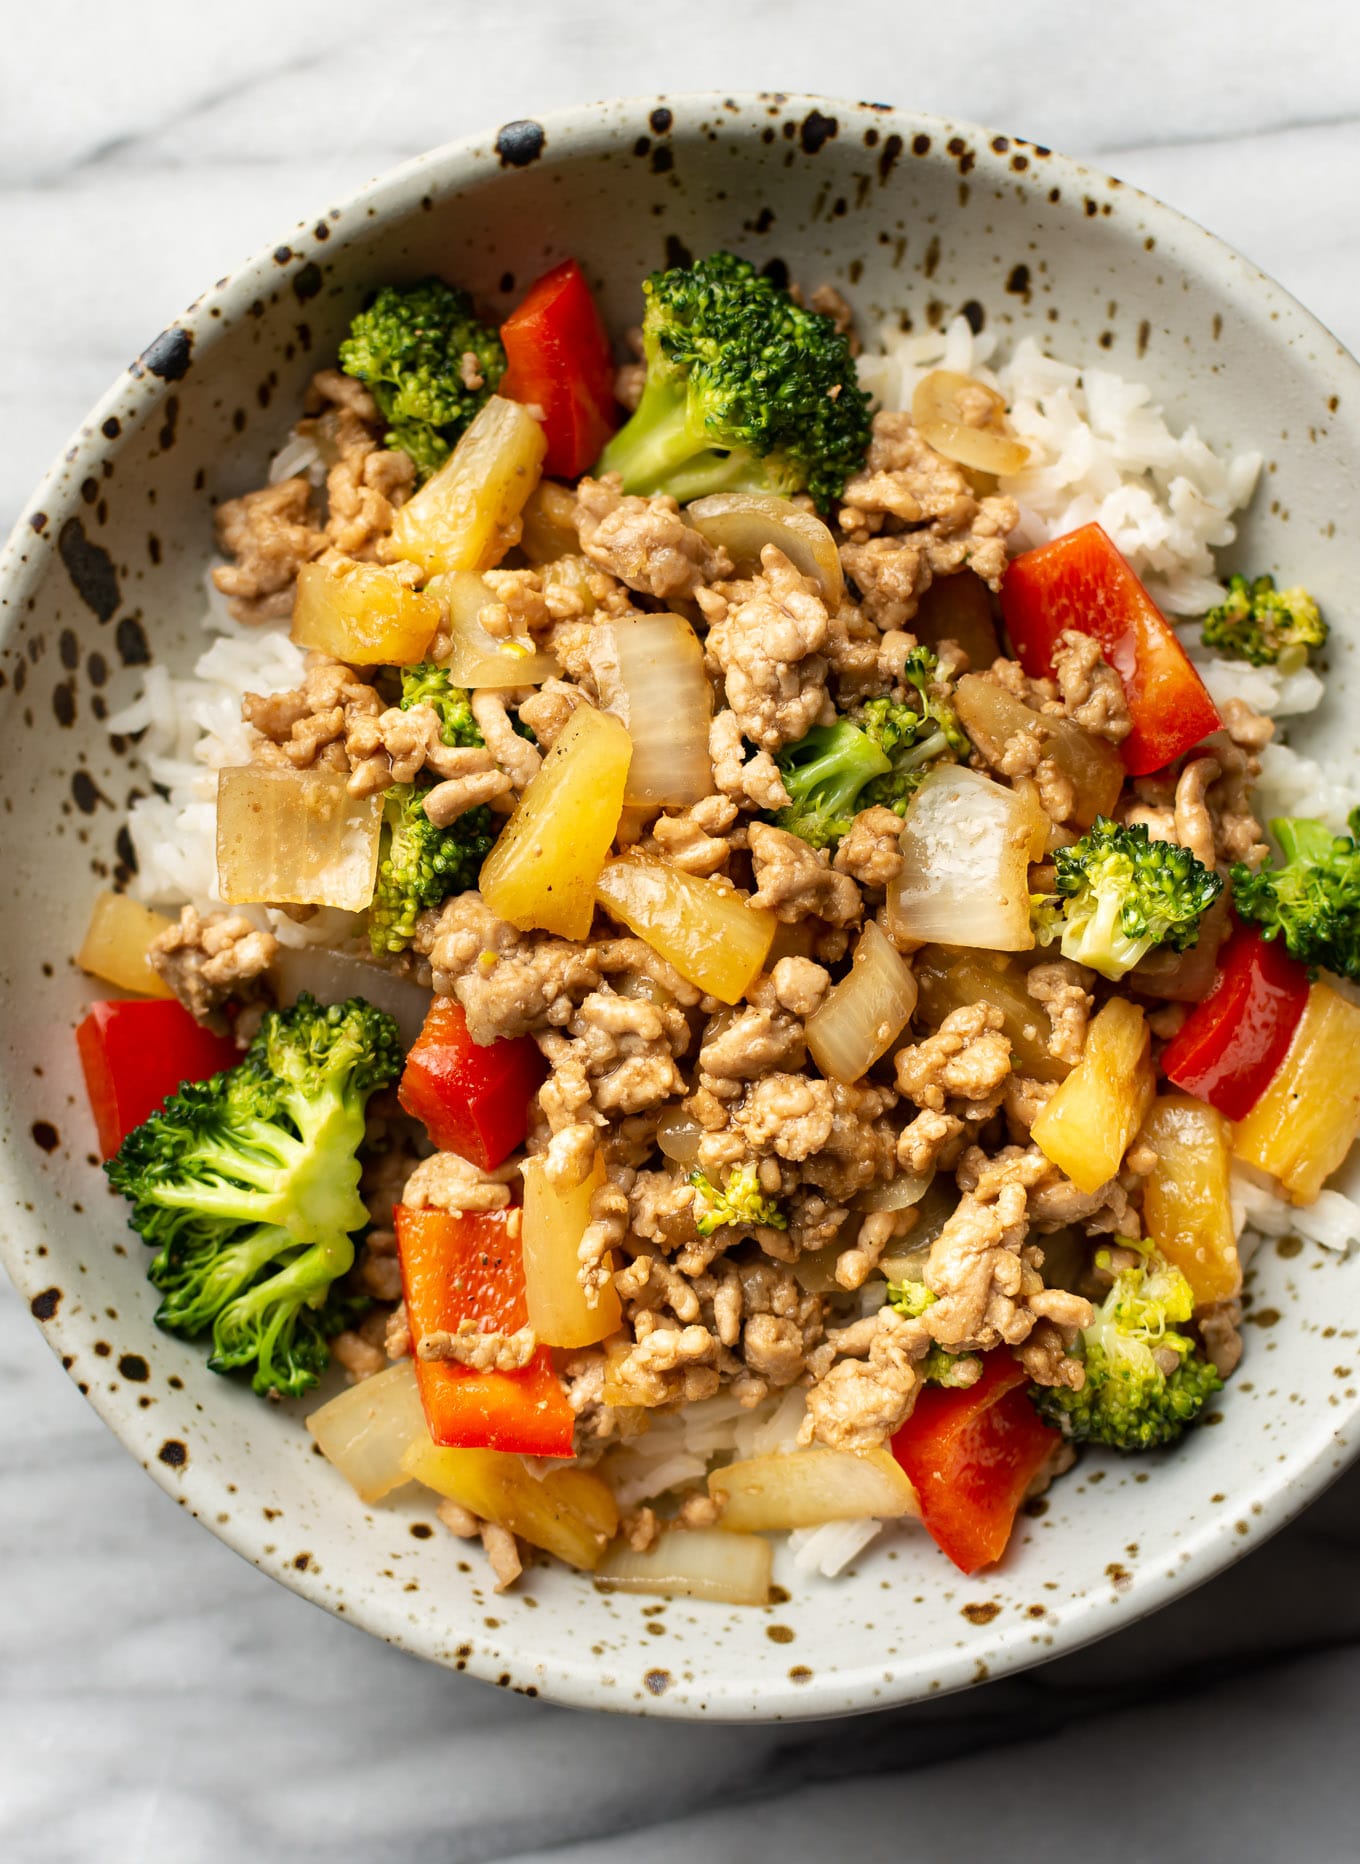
[159, 1700]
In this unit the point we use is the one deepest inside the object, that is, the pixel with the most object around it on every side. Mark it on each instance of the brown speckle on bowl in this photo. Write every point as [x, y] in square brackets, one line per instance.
[90, 568]
[173, 1453]
[45, 1135]
[982, 1612]
[134, 1368]
[657, 1682]
[168, 356]
[520, 143]
[43, 1306]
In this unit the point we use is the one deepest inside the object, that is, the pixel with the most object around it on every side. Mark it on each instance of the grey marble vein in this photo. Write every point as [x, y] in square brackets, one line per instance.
[160, 1701]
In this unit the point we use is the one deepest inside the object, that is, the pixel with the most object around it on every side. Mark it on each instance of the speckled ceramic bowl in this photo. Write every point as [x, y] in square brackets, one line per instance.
[103, 576]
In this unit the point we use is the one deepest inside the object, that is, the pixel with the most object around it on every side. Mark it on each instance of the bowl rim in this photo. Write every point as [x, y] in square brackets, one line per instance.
[468, 162]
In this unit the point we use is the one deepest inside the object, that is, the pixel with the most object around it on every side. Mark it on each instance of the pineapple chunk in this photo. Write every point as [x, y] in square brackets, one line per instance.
[547, 859]
[116, 941]
[703, 927]
[469, 514]
[767, 1494]
[362, 614]
[1185, 1198]
[1088, 1125]
[569, 1512]
[296, 838]
[561, 1312]
[550, 523]
[1305, 1123]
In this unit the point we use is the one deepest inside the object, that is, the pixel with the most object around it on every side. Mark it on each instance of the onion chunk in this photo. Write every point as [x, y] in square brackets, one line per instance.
[650, 672]
[695, 1563]
[368, 1428]
[966, 422]
[295, 838]
[968, 843]
[864, 1013]
[742, 523]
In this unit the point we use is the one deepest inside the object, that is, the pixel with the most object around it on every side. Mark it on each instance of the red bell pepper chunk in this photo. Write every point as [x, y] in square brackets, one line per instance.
[1080, 581]
[559, 359]
[472, 1099]
[971, 1455]
[135, 1054]
[1229, 1046]
[468, 1265]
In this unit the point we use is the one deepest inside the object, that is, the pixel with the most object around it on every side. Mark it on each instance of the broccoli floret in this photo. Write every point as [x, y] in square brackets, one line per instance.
[824, 774]
[409, 347]
[1265, 625]
[1119, 893]
[419, 865]
[247, 1187]
[1129, 1402]
[428, 683]
[955, 1371]
[914, 738]
[741, 1203]
[1313, 900]
[746, 391]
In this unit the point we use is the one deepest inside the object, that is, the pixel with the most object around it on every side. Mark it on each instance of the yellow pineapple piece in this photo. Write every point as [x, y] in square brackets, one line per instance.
[1087, 1126]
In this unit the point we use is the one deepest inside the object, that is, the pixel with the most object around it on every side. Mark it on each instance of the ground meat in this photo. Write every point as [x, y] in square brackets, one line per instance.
[645, 542]
[502, 1550]
[1194, 823]
[270, 534]
[640, 1528]
[519, 759]
[829, 302]
[697, 839]
[788, 1114]
[967, 1058]
[395, 746]
[800, 986]
[208, 961]
[616, 1057]
[744, 1044]
[1219, 1329]
[871, 853]
[479, 1352]
[1059, 987]
[357, 1357]
[1090, 692]
[1025, 1099]
[753, 782]
[765, 642]
[448, 1181]
[795, 881]
[859, 1403]
[924, 1141]
[456, 795]
[630, 378]
[547, 711]
[666, 1364]
[397, 1333]
[1250, 731]
[508, 982]
[308, 724]
[905, 478]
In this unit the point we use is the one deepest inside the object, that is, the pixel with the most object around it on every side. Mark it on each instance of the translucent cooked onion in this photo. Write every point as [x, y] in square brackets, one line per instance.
[650, 672]
[899, 1193]
[478, 659]
[694, 1563]
[295, 838]
[336, 976]
[946, 409]
[367, 1430]
[865, 1012]
[967, 844]
[678, 1135]
[744, 522]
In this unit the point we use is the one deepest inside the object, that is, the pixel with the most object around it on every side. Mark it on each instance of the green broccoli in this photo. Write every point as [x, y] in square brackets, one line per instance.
[1313, 900]
[247, 1187]
[824, 773]
[741, 1203]
[429, 683]
[955, 1371]
[1145, 1383]
[410, 347]
[419, 865]
[746, 391]
[1265, 625]
[913, 737]
[1119, 893]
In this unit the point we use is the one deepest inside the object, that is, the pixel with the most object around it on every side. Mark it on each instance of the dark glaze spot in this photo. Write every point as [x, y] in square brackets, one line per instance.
[169, 424]
[130, 638]
[38, 519]
[169, 356]
[153, 547]
[962, 154]
[642, 146]
[1018, 282]
[920, 144]
[43, 1306]
[780, 1595]
[64, 704]
[507, 282]
[661, 121]
[134, 1368]
[1019, 163]
[677, 253]
[982, 1613]
[1000, 144]
[816, 130]
[800, 1674]
[780, 1634]
[91, 570]
[1144, 332]
[663, 159]
[887, 161]
[127, 857]
[321, 231]
[1289, 1246]
[1106, 339]
[112, 427]
[102, 1349]
[1036, 1508]
[306, 282]
[930, 264]
[777, 271]
[421, 1530]
[69, 649]
[658, 1682]
[1118, 1576]
[282, 254]
[173, 1453]
[763, 221]
[86, 794]
[302, 1561]
[974, 315]
[1265, 1317]
[520, 143]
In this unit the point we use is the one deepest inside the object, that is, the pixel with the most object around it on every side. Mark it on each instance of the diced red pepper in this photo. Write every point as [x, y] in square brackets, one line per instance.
[971, 1455]
[472, 1099]
[1080, 581]
[469, 1266]
[559, 360]
[135, 1054]
[1229, 1046]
